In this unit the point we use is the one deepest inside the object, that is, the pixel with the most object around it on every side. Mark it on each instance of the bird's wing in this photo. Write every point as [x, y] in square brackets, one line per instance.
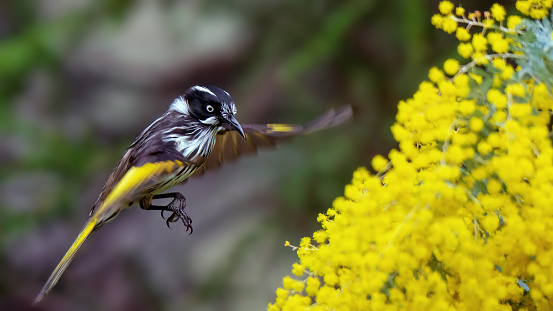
[230, 145]
[136, 181]
[140, 169]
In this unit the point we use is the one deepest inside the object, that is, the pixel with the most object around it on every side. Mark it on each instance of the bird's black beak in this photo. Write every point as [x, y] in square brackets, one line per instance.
[235, 125]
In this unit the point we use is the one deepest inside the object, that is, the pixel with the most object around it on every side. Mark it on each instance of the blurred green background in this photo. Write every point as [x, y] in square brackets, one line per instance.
[79, 80]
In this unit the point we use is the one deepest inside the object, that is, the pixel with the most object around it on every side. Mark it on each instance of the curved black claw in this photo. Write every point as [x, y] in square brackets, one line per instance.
[171, 219]
[176, 206]
[180, 214]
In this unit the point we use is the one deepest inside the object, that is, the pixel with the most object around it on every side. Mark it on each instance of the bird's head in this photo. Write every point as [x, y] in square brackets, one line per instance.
[212, 106]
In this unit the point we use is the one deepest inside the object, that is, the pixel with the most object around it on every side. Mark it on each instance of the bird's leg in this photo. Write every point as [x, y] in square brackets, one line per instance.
[176, 206]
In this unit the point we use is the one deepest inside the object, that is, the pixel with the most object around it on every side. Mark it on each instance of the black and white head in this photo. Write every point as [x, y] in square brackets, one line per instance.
[212, 106]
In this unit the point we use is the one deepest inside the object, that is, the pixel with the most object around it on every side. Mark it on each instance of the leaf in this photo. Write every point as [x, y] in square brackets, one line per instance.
[523, 285]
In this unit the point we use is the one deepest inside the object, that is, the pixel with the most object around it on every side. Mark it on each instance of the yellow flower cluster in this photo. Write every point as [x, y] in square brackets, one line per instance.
[537, 9]
[476, 46]
[460, 216]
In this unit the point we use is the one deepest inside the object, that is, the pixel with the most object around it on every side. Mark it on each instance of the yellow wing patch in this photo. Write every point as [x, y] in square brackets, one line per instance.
[280, 127]
[135, 177]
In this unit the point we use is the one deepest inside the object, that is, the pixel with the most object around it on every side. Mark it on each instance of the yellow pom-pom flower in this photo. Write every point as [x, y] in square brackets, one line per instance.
[451, 66]
[476, 124]
[436, 75]
[497, 98]
[516, 89]
[459, 11]
[462, 34]
[479, 42]
[437, 20]
[513, 21]
[465, 50]
[498, 12]
[446, 7]
[498, 43]
[379, 163]
[449, 25]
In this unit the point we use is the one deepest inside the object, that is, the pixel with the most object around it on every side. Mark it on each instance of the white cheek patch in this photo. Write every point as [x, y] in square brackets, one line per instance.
[210, 121]
[180, 105]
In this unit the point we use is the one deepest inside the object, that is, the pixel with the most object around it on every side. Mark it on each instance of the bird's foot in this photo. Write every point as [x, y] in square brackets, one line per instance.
[176, 206]
[179, 213]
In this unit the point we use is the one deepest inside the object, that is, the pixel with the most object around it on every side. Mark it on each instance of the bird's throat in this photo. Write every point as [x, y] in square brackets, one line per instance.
[196, 143]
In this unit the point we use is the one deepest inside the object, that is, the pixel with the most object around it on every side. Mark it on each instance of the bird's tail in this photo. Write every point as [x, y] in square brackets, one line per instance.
[66, 260]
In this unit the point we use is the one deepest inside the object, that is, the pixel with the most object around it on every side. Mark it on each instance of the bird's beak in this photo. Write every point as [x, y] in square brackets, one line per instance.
[235, 125]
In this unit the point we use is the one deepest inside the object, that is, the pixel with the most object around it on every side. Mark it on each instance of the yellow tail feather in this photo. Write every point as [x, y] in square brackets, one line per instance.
[60, 268]
[135, 178]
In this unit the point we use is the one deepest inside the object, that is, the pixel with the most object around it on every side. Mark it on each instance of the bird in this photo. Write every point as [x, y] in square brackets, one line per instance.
[198, 132]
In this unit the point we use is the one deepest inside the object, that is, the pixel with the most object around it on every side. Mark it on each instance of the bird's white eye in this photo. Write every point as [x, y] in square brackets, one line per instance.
[209, 108]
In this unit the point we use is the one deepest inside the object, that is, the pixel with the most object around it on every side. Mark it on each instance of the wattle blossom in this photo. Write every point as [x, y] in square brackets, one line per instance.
[460, 216]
